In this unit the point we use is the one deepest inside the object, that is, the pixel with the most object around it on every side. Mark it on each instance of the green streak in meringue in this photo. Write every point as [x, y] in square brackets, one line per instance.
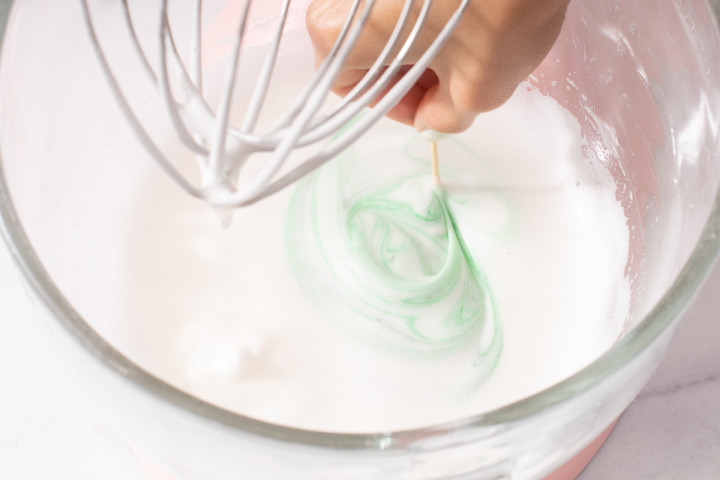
[386, 259]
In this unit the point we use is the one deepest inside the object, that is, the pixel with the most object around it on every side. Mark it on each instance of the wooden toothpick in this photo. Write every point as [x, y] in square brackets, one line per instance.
[434, 164]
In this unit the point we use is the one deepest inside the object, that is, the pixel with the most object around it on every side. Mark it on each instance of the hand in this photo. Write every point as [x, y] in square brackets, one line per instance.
[497, 44]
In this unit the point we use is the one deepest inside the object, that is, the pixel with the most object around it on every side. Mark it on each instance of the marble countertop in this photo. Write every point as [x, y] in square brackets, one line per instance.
[671, 431]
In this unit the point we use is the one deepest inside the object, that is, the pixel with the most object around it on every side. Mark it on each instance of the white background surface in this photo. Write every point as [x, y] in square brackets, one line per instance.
[672, 430]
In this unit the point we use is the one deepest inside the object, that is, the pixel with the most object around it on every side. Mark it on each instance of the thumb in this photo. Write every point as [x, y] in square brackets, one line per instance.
[437, 111]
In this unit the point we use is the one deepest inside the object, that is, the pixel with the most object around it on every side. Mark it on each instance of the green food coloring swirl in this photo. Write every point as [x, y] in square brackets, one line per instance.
[384, 256]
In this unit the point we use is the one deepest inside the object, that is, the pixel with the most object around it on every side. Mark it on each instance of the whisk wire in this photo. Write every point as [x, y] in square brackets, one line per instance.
[262, 85]
[217, 149]
[302, 98]
[350, 110]
[289, 139]
[372, 116]
[221, 149]
[136, 43]
[171, 105]
[196, 47]
[323, 127]
[142, 135]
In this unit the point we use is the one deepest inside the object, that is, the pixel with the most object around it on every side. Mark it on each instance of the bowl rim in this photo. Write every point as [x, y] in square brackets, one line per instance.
[657, 321]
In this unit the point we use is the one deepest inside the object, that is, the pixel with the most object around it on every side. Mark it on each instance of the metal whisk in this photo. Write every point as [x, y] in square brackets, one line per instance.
[222, 149]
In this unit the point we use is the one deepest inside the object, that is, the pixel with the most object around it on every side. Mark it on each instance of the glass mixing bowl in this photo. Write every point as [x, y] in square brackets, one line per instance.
[644, 86]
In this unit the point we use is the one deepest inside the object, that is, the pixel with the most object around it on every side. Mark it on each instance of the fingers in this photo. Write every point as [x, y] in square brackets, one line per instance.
[453, 101]
[428, 104]
[438, 112]
[495, 47]
[325, 20]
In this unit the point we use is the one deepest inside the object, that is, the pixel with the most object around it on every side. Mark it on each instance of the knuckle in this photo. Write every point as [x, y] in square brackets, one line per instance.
[481, 95]
[444, 121]
[324, 20]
